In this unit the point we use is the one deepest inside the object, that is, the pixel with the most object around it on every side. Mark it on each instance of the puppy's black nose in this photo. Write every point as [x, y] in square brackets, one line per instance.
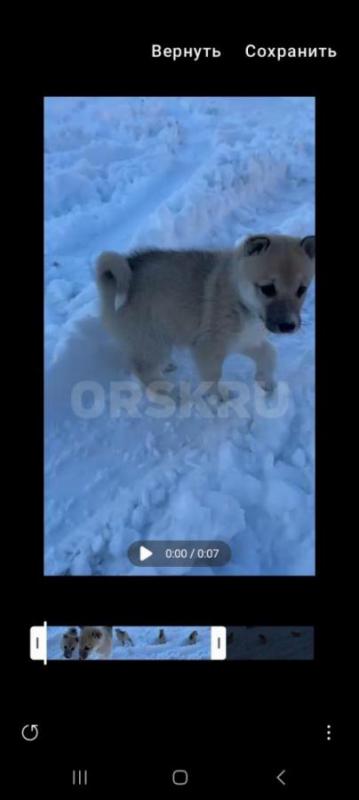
[286, 327]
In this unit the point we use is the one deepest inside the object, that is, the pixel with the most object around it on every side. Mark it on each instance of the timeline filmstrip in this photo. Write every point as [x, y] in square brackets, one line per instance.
[118, 643]
[49, 643]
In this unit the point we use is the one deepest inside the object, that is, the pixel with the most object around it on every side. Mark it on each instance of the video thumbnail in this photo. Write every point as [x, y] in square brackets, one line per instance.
[179, 336]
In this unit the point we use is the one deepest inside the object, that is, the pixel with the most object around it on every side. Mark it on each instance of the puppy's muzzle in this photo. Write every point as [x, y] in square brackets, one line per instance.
[282, 327]
[282, 318]
[83, 655]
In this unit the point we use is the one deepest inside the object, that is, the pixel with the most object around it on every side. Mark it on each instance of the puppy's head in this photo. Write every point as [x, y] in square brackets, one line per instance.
[90, 638]
[70, 643]
[274, 275]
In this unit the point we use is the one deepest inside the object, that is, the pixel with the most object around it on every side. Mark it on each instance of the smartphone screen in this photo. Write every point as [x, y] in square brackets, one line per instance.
[180, 548]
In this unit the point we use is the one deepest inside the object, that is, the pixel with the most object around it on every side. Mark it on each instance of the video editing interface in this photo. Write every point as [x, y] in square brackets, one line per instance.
[180, 556]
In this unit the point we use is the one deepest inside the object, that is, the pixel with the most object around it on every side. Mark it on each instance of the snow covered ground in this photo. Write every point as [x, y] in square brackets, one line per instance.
[145, 645]
[175, 647]
[124, 173]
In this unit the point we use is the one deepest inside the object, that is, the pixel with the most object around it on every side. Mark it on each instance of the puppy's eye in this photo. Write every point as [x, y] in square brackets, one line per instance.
[301, 291]
[269, 289]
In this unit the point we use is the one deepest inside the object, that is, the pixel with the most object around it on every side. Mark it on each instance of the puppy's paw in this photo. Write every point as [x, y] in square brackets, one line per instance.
[267, 384]
[225, 393]
[170, 367]
[160, 391]
[215, 395]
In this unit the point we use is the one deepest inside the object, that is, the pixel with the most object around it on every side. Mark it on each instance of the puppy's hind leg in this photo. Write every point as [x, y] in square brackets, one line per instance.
[147, 372]
[148, 368]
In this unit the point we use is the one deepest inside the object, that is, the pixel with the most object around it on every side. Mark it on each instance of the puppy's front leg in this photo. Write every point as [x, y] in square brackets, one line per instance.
[264, 357]
[209, 356]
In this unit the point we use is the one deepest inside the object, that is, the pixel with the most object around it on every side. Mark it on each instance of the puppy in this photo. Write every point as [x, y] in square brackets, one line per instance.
[162, 639]
[95, 641]
[193, 637]
[70, 643]
[123, 637]
[212, 302]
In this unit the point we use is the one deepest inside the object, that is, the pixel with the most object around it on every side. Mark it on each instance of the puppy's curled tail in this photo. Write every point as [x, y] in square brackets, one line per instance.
[113, 274]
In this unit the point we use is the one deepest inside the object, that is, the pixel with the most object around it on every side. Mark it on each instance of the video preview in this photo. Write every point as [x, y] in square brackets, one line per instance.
[179, 336]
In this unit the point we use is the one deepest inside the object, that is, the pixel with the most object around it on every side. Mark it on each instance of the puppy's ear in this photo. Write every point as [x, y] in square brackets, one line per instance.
[308, 244]
[255, 245]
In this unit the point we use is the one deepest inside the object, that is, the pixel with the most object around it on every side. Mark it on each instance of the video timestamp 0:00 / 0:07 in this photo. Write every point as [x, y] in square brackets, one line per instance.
[193, 553]
[180, 553]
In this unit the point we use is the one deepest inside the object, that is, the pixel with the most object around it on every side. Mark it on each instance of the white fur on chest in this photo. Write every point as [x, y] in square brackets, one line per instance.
[252, 335]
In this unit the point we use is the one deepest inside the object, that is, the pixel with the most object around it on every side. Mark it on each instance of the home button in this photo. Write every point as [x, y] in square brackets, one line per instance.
[180, 777]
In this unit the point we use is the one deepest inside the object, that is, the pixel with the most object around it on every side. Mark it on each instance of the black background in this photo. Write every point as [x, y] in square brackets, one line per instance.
[126, 707]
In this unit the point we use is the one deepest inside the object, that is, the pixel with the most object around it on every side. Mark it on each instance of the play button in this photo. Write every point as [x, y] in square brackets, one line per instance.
[145, 553]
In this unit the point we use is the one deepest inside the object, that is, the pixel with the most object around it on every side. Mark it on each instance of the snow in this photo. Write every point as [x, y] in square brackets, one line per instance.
[145, 645]
[176, 646]
[122, 173]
